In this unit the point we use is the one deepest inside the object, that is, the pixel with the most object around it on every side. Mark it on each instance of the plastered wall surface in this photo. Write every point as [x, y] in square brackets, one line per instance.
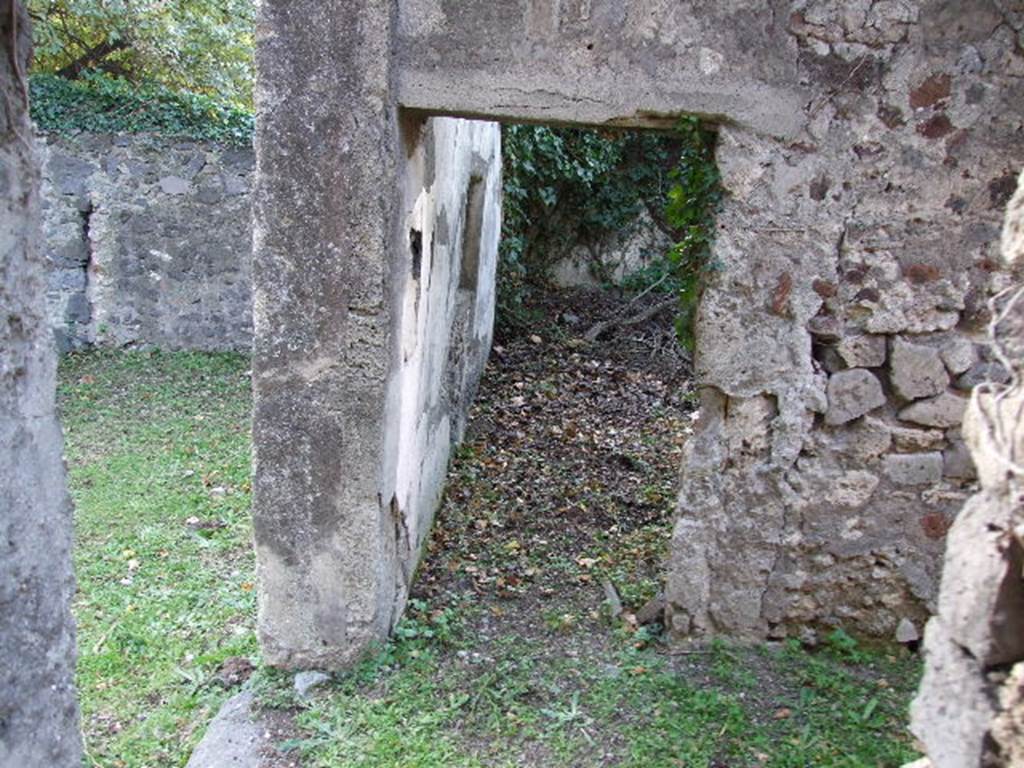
[452, 206]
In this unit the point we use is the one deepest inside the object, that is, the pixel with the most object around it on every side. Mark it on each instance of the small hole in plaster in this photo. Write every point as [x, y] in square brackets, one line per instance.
[416, 246]
[471, 234]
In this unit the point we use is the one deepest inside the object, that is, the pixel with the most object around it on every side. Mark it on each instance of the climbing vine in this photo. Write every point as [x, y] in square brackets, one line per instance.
[693, 200]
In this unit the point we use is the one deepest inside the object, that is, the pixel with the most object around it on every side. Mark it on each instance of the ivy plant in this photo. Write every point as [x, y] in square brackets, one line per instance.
[569, 187]
[99, 103]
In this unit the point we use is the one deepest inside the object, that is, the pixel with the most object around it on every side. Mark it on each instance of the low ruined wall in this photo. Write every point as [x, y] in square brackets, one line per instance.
[148, 241]
[614, 258]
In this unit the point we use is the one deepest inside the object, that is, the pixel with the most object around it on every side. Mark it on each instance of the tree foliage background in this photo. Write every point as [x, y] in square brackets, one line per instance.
[201, 46]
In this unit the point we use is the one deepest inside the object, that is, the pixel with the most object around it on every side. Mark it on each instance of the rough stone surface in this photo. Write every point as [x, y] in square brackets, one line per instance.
[851, 394]
[981, 373]
[957, 462]
[1008, 728]
[863, 350]
[375, 247]
[906, 632]
[982, 600]
[306, 682]
[149, 242]
[914, 468]
[860, 201]
[916, 371]
[910, 440]
[38, 711]
[958, 354]
[968, 710]
[952, 711]
[233, 740]
[615, 257]
[946, 410]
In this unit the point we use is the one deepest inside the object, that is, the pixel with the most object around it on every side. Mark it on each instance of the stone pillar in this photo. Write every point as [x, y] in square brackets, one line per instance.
[38, 712]
[325, 212]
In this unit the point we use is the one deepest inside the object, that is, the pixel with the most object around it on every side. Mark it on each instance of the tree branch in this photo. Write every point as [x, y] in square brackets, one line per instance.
[652, 311]
[91, 58]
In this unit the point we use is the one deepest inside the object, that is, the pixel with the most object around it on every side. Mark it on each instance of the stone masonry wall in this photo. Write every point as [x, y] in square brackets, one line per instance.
[375, 247]
[867, 148]
[38, 709]
[969, 711]
[149, 241]
[839, 341]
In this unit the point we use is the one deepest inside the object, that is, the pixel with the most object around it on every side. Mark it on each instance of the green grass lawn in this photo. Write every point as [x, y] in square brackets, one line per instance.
[422, 704]
[158, 453]
[157, 448]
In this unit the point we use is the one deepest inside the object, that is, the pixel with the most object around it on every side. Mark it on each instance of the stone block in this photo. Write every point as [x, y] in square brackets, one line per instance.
[865, 350]
[957, 462]
[982, 372]
[946, 410]
[914, 468]
[910, 440]
[825, 328]
[862, 439]
[830, 359]
[852, 394]
[174, 185]
[234, 738]
[916, 371]
[906, 631]
[958, 354]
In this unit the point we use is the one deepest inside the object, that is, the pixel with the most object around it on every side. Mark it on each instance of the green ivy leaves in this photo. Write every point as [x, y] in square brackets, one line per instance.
[97, 103]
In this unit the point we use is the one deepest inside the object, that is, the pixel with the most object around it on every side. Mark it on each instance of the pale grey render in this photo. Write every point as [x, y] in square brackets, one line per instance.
[373, 307]
[38, 710]
[867, 149]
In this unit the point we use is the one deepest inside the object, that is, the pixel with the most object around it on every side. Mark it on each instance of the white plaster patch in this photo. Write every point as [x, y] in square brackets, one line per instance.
[852, 489]
[709, 61]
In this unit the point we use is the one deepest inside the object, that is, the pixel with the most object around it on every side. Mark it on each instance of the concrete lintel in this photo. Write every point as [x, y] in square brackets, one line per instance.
[530, 97]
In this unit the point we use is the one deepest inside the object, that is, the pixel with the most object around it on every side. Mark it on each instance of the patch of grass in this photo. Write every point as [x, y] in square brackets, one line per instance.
[157, 447]
[506, 664]
[420, 702]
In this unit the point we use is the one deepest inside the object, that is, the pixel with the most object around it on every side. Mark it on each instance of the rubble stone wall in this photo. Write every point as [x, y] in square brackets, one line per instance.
[839, 341]
[867, 149]
[149, 242]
